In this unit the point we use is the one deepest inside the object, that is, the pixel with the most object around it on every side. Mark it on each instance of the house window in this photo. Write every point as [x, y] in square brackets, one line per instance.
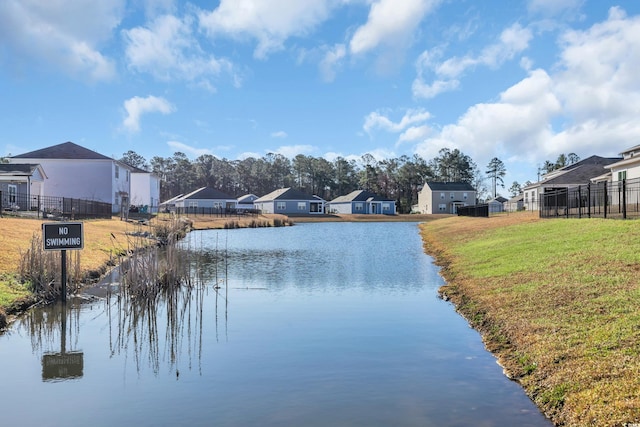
[115, 198]
[281, 206]
[386, 206]
[526, 196]
[13, 193]
[465, 196]
[193, 204]
[127, 176]
[451, 195]
[358, 206]
[442, 207]
[117, 171]
[217, 205]
[442, 195]
[302, 206]
[622, 175]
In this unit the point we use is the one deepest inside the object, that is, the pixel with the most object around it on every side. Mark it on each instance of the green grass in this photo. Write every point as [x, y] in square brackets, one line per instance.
[11, 290]
[558, 301]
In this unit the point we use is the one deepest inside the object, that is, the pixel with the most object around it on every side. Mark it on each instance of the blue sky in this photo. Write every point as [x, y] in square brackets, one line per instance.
[520, 80]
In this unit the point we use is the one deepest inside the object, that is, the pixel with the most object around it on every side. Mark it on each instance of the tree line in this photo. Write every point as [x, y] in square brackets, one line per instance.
[398, 179]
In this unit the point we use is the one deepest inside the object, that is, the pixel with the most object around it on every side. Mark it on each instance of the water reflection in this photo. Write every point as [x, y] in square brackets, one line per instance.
[167, 328]
[56, 325]
[313, 325]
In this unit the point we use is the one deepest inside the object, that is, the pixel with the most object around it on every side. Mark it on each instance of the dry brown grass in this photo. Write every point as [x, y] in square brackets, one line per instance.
[102, 239]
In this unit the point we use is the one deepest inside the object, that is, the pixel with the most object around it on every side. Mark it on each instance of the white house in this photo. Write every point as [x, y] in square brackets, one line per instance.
[77, 172]
[145, 190]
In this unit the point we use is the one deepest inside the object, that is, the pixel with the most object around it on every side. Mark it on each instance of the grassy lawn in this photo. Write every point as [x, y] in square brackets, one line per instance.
[104, 240]
[557, 301]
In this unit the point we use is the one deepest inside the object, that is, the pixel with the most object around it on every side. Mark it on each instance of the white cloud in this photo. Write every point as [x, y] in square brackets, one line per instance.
[291, 151]
[332, 60]
[168, 49]
[414, 133]
[279, 134]
[519, 122]
[376, 120]
[187, 149]
[390, 23]
[588, 105]
[270, 23]
[65, 34]
[137, 106]
[512, 41]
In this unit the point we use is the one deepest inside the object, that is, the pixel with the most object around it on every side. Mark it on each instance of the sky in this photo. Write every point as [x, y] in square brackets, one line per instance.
[520, 80]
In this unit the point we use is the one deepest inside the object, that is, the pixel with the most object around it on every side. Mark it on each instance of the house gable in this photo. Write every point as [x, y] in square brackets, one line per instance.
[66, 150]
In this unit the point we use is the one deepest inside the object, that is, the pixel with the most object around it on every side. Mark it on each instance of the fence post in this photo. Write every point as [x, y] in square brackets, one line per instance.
[624, 199]
[589, 200]
[606, 198]
[579, 201]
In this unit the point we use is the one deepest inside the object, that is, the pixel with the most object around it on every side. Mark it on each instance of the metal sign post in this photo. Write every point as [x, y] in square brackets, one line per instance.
[63, 236]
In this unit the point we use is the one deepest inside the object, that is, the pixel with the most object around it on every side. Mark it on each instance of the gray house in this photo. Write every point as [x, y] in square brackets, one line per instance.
[205, 198]
[362, 202]
[497, 204]
[445, 197]
[21, 185]
[288, 201]
[246, 202]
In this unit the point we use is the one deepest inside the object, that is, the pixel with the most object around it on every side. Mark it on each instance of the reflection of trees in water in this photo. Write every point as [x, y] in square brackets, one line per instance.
[158, 313]
[163, 328]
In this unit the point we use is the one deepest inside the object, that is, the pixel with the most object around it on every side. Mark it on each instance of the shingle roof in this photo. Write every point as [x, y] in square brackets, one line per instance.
[207, 193]
[17, 169]
[582, 171]
[286, 194]
[66, 150]
[450, 186]
[360, 196]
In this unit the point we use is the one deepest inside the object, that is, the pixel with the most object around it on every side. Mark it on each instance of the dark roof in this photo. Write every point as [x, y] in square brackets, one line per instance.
[360, 196]
[580, 172]
[66, 150]
[207, 193]
[287, 194]
[18, 169]
[450, 186]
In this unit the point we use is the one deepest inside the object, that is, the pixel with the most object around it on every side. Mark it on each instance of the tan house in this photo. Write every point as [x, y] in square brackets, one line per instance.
[628, 167]
[445, 197]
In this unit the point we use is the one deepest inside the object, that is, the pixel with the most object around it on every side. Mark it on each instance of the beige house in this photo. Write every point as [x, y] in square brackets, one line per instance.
[445, 197]
[628, 167]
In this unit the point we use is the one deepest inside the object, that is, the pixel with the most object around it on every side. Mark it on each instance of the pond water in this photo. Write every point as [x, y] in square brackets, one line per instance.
[332, 324]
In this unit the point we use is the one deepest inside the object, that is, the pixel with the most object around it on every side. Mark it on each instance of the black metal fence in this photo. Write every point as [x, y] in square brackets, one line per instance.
[53, 207]
[620, 199]
[475, 210]
[217, 212]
